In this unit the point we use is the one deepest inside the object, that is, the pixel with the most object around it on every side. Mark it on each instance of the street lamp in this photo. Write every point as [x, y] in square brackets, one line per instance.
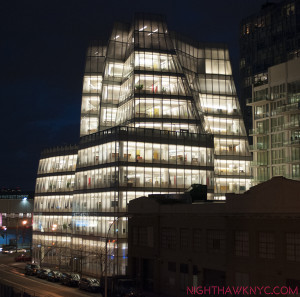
[106, 242]
[4, 234]
[24, 223]
[5, 229]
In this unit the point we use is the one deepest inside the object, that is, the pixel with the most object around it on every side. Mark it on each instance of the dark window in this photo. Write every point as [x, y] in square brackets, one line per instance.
[216, 241]
[184, 238]
[135, 235]
[241, 243]
[168, 238]
[172, 266]
[293, 246]
[184, 268]
[197, 234]
[114, 203]
[195, 270]
[266, 245]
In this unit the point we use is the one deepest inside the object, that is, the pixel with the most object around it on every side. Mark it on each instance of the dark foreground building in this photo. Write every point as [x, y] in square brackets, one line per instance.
[251, 239]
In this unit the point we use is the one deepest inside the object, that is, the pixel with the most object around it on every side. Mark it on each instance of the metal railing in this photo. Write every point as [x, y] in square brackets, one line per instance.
[288, 107]
[292, 142]
[146, 132]
[257, 131]
[257, 163]
[259, 146]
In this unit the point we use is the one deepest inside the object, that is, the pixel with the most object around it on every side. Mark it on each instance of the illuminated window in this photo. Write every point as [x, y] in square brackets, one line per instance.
[289, 9]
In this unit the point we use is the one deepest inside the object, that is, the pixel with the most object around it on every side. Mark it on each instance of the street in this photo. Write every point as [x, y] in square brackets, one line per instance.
[13, 274]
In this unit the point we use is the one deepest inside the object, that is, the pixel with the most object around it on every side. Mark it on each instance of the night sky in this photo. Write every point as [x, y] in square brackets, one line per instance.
[42, 53]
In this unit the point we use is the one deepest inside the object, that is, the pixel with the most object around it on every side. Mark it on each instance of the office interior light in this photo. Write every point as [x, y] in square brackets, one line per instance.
[149, 85]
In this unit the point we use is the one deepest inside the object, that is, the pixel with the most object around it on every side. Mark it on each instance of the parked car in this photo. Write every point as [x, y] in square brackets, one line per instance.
[22, 258]
[31, 269]
[8, 250]
[53, 276]
[43, 273]
[11, 250]
[90, 284]
[70, 279]
[21, 250]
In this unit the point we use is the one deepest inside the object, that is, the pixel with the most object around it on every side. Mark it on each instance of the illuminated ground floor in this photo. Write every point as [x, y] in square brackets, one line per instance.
[78, 213]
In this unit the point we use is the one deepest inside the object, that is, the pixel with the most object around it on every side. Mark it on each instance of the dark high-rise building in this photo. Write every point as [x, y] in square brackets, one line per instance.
[270, 37]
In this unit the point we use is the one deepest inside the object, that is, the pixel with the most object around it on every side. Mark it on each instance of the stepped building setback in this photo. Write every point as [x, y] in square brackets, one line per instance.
[276, 117]
[159, 113]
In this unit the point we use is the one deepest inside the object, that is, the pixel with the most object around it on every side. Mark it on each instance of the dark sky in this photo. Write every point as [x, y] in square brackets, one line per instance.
[42, 52]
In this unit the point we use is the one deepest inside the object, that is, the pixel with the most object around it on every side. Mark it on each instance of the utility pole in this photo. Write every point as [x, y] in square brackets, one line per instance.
[17, 235]
[105, 263]
[24, 223]
[81, 259]
[106, 252]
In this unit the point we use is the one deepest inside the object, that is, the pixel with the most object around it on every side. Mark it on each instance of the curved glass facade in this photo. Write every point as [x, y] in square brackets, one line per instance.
[208, 71]
[53, 202]
[159, 114]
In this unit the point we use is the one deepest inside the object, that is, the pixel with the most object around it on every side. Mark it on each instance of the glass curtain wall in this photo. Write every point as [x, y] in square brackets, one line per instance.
[161, 98]
[276, 133]
[115, 72]
[144, 92]
[157, 116]
[208, 71]
[120, 164]
[53, 205]
[92, 88]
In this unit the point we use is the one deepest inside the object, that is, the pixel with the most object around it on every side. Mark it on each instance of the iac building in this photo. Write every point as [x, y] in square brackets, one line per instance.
[159, 113]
